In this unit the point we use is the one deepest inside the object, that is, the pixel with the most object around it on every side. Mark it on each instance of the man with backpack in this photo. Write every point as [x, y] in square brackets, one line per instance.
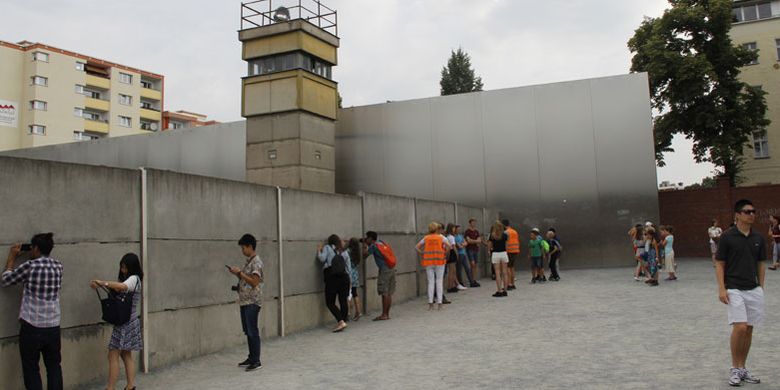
[385, 262]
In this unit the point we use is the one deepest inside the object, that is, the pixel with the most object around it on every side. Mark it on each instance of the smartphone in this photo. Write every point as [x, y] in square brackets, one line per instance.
[26, 247]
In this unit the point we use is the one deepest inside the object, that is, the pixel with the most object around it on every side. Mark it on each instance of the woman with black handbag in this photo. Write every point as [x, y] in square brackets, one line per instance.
[125, 337]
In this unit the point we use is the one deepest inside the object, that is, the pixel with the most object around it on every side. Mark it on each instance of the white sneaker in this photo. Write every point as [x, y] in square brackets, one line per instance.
[637, 279]
[749, 377]
[735, 377]
[462, 287]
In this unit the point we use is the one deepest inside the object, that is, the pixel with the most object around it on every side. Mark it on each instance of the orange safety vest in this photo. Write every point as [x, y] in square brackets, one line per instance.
[433, 251]
[513, 243]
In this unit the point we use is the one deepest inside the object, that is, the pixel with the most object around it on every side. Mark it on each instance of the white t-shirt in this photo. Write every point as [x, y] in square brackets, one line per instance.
[132, 283]
[714, 232]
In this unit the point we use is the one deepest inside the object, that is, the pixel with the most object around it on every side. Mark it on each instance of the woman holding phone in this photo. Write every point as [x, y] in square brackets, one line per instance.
[125, 338]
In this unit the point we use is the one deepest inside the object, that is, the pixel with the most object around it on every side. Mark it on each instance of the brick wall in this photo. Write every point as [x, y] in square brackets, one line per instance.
[691, 211]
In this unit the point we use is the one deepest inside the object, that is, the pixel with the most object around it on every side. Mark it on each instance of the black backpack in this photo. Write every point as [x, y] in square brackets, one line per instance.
[338, 266]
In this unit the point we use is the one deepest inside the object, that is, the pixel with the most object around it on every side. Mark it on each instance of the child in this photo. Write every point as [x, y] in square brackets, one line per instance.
[651, 256]
[668, 244]
[535, 253]
[554, 255]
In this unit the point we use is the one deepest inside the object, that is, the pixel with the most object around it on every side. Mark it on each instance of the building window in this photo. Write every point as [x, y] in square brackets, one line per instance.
[36, 130]
[79, 89]
[82, 136]
[40, 56]
[80, 66]
[175, 125]
[760, 145]
[78, 112]
[752, 46]
[149, 126]
[147, 105]
[38, 105]
[39, 80]
[125, 78]
[283, 62]
[777, 45]
[92, 116]
[146, 84]
[750, 12]
[125, 121]
[127, 100]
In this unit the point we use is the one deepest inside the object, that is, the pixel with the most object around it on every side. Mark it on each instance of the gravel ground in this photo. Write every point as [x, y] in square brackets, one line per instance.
[595, 329]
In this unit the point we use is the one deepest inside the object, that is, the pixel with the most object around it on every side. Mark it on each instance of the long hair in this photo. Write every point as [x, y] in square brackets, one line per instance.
[639, 232]
[133, 265]
[450, 229]
[335, 241]
[497, 230]
[355, 250]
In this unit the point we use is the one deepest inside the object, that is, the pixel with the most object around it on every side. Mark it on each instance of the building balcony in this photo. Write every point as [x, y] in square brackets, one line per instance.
[97, 104]
[152, 115]
[96, 126]
[99, 82]
[151, 94]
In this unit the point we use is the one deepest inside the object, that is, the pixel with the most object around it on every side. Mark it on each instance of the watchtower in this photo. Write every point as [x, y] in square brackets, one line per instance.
[289, 98]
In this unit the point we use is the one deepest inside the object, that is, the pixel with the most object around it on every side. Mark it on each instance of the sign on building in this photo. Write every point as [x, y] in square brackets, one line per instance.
[9, 113]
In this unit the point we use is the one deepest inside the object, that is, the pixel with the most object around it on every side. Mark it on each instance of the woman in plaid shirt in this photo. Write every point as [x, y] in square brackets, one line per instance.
[39, 314]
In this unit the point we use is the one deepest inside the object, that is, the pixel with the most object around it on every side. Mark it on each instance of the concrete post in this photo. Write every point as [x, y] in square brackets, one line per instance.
[416, 266]
[145, 281]
[280, 241]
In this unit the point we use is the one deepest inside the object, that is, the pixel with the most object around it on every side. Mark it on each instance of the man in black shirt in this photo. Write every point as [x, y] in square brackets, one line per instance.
[740, 274]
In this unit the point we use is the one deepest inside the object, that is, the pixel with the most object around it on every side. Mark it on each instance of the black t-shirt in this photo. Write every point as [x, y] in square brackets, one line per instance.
[741, 255]
[499, 245]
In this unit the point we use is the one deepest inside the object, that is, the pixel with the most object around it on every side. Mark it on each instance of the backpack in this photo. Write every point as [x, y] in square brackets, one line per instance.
[387, 253]
[338, 266]
[545, 246]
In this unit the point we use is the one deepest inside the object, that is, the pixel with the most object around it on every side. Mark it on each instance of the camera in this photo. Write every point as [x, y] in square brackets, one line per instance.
[26, 247]
[234, 288]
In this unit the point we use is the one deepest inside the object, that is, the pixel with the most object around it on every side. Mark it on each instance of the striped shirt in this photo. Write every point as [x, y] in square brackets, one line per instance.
[42, 279]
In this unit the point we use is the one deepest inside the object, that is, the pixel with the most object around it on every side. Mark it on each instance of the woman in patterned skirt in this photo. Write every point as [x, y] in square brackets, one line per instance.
[126, 338]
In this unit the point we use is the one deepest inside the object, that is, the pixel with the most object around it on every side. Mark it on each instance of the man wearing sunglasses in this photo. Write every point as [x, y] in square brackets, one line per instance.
[740, 274]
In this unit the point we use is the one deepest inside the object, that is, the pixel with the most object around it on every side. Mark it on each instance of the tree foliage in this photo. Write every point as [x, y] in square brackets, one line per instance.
[707, 182]
[458, 76]
[693, 68]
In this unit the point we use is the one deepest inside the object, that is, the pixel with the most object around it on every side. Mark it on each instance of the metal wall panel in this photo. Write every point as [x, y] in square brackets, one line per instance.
[575, 155]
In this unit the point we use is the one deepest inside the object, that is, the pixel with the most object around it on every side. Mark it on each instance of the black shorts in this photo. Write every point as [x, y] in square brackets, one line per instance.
[354, 291]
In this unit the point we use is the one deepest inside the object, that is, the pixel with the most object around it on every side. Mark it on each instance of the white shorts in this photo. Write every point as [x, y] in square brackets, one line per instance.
[746, 306]
[499, 257]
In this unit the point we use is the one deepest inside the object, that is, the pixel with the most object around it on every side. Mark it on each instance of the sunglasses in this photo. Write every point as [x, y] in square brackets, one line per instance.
[749, 212]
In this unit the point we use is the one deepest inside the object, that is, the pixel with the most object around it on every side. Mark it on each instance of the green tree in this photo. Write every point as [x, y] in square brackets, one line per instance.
[693, 68]
[707, 182]
[458, 76]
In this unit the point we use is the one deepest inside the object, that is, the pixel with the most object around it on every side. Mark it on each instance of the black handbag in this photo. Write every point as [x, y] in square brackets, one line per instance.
[117, 307]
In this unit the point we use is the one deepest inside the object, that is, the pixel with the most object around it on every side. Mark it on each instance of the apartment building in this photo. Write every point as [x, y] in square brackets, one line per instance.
[184, 119]
[757, 26]
[51, 96]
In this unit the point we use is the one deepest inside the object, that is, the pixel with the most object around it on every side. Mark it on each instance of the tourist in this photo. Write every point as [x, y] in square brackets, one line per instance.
[39, 315]
[535, 254]
[555, 255]
[250, 298]
[651, 256]
[125, 338]
[473, 240]
[385, 282]
[336, 274]
[670, 265]
[740, 275]
[433, 249]
[499, 257]
[355, 256]
[513, 252]
[774, 239]
[463, 260]
[714, 232]
[453, 285]
[637, 238]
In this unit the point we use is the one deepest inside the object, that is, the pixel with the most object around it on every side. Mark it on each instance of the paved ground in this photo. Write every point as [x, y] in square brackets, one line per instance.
[595, 329]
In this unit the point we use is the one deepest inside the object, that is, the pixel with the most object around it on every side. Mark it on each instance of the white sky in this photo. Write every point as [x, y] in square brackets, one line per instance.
[390, 49]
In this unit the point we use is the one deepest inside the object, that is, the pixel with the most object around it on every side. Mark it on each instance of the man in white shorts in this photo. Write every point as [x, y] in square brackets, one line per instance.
[740, 275]
[714, 232]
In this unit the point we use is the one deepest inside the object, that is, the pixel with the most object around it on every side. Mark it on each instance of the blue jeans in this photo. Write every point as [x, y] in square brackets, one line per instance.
[463, 262]
[250, 314]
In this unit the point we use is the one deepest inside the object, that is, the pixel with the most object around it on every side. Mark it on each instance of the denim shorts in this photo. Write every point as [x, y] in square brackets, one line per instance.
[537, 262]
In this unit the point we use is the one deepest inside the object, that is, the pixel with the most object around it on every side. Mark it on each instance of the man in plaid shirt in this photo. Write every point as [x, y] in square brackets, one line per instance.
[40, 312]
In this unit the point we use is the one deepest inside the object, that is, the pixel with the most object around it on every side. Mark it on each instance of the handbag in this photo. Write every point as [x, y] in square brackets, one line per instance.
[116, 307]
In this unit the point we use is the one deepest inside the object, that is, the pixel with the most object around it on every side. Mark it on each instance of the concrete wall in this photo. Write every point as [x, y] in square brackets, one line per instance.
[192, 227]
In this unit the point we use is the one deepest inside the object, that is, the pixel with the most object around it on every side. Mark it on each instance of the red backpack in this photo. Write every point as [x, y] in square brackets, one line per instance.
[387, 253]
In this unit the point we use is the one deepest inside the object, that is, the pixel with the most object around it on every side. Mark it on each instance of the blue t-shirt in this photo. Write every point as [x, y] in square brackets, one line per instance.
[669, 243]
[459, 240]
[378, 258]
